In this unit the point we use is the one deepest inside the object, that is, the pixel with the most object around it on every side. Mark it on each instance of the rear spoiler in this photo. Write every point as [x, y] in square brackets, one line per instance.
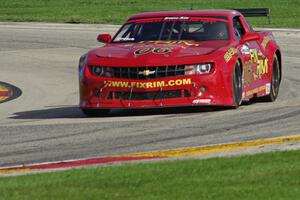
[255, 12]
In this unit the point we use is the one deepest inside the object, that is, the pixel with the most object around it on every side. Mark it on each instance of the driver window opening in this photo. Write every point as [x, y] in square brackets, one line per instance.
[238, 28]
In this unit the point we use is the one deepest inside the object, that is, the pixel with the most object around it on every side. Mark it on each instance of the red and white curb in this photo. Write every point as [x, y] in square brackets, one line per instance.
[66, 164]
[172, 153]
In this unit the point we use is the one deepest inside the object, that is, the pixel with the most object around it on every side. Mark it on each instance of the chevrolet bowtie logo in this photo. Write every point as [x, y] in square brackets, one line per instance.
[146, 72]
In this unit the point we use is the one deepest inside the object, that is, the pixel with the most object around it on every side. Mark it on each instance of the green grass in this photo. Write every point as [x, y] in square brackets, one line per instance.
[285, 13]
[264, 176]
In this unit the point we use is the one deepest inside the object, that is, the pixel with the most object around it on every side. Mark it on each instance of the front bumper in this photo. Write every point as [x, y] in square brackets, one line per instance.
[109, 93]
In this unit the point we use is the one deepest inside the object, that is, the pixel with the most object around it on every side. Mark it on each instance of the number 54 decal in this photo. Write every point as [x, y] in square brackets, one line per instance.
[143, 51]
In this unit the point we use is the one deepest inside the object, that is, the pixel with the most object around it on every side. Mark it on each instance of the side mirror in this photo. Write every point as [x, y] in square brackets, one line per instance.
[250, 36]
[105, 38]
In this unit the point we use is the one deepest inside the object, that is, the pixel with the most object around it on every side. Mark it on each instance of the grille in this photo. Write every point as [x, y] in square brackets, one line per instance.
[149, 95]
[154, 72]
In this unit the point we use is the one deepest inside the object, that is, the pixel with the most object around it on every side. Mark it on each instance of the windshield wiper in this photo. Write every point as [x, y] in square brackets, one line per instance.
[181, 31]
[171, 30]
[161, 30]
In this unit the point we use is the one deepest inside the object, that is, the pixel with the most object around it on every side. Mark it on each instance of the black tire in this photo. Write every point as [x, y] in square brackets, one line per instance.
[95, 112]
[237, 85]
[275, 82]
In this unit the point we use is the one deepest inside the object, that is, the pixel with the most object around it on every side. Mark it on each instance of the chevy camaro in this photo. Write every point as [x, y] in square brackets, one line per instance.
[180, 58]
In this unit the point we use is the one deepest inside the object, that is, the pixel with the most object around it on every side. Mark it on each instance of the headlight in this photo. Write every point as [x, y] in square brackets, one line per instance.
[97, 71]
[198, 69]
[82, 61]
[81, 65]
[101, 71]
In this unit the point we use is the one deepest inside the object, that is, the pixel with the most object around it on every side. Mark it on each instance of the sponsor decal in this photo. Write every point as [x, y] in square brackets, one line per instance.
[245, 49]
[199, 101]
[248, 73]
[143, 51]
[151, 84]
[265, 41]
[126, 39]
[188, 43]
[268, 88]
[255, 68]
[229, 54]
[261, 63]
[4, 93]
[176, 18]
[256, 90]
[8, 92]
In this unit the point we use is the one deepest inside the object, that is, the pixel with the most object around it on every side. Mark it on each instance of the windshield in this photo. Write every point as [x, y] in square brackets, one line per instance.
[173, 30]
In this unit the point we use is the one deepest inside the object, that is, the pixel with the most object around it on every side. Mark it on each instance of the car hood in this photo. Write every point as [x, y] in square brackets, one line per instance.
[153, 51]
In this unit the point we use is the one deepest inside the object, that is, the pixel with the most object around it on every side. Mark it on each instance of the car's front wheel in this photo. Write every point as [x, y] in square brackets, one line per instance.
[237, 85]
[95, 112]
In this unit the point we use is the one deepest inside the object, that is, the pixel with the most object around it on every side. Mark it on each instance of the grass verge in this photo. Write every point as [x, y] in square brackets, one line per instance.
[284, 14]
[263, 176]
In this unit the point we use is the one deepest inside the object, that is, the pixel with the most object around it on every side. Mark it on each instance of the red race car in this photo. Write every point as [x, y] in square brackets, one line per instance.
[180, 58]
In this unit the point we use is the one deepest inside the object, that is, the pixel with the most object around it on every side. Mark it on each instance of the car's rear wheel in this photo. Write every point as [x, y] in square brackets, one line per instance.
[95, 112]
[275, 82]
[237, 85]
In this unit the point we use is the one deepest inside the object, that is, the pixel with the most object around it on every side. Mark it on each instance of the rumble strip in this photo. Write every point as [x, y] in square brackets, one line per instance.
[173, 153]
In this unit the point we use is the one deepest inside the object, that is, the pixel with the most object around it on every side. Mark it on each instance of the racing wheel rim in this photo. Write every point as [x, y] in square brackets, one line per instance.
[237, 85]
[275, 79]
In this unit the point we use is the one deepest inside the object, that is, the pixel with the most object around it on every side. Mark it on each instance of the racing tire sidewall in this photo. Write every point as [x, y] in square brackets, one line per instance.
[237, 85]
[275, 80]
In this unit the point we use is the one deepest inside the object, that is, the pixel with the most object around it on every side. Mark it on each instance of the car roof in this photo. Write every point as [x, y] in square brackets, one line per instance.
[186, 13]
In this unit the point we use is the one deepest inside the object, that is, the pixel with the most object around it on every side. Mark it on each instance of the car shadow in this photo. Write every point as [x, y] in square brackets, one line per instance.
[72, 112]
[50, 113]
[163, 111]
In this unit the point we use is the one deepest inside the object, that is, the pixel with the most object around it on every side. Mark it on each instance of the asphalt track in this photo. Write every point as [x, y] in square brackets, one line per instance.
[44, 124]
